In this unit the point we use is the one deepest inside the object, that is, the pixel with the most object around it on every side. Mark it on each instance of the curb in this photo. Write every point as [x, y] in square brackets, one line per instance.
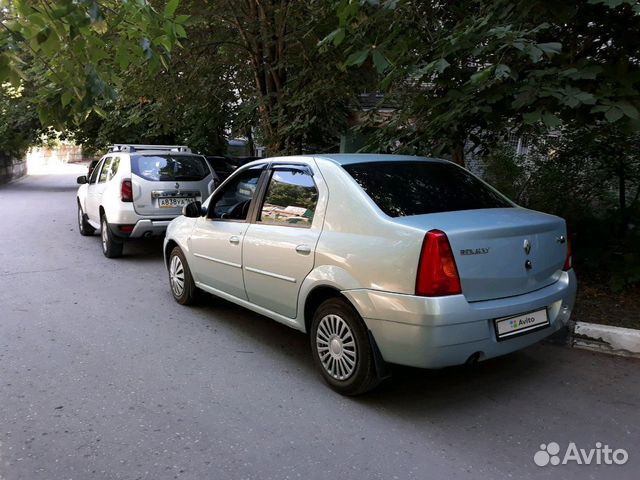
[606, 339]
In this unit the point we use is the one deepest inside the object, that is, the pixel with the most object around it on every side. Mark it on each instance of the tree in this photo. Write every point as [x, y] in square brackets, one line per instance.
[75, 49]
[469, 70]
[301, 95]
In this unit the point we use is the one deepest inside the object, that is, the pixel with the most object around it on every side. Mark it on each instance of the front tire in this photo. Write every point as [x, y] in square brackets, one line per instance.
[111, 245]
[183, 288]
[84, 227]
[341, 349]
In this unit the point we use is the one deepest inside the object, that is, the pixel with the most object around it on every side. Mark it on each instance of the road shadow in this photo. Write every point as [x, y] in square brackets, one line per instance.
[23, 187]
[144, 249]
[409, 392]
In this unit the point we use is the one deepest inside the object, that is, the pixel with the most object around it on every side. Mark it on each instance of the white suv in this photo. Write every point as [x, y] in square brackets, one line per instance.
[136, 190]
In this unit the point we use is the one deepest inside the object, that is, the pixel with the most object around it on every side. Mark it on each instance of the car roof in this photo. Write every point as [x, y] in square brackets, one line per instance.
[160, 152]
[351, 158]
[345, 159]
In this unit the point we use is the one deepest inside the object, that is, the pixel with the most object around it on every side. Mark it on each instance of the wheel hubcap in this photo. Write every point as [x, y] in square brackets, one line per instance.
[336, 347]
[103, 235]
[176, 276]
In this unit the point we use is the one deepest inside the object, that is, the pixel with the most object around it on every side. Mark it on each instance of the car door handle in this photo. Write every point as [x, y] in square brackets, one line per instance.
[234, 239]
[303, 249]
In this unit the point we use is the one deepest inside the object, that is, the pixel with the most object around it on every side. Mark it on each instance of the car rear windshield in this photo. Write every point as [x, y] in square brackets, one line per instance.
[168, 167]
[417, 187]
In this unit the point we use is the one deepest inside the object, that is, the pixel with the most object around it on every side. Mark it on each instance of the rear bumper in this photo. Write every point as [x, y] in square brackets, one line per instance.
[439, 332]
[142, 228]
[148, 228]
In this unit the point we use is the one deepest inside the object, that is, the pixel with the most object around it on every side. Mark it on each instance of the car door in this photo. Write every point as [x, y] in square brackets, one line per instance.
[94, 191]
[278, 249]
[216, 240]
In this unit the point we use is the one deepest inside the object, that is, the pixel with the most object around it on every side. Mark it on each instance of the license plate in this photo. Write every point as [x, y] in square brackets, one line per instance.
[517, 325]
[173, 202]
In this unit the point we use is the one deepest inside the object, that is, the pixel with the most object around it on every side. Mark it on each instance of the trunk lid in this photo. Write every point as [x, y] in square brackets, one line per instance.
[491, 248]
[164, 183]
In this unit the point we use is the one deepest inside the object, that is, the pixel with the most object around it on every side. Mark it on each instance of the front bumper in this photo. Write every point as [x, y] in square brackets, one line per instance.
[443, 331]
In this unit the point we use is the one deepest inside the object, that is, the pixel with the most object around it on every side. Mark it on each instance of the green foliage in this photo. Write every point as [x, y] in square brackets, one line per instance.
[19, 124]
[590, 176]
[486, 65]
[78, 49]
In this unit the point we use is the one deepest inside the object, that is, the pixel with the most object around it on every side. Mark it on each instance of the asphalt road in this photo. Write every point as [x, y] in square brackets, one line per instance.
[104, 376]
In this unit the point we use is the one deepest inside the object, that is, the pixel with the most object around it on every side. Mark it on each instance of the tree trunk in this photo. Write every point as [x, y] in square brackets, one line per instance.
[622, 199]
[457, 154]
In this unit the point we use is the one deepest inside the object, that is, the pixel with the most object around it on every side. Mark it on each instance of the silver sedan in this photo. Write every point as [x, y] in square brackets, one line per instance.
[381, 259]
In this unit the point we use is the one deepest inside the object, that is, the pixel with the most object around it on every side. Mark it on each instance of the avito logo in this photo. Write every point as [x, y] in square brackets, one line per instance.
[601, 455]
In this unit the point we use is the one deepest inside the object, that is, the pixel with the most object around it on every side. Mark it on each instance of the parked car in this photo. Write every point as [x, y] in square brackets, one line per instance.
[399, 259]
[225, 166]
[136, 190]
[92, 166]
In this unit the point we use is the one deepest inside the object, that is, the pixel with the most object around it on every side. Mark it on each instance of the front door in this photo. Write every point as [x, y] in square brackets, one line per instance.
[216, 241]
[278, 251]
[95, 190]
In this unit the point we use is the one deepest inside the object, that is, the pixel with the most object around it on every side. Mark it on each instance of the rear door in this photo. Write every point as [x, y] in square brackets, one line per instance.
[216, 240]
[278, 251]
[165, 182]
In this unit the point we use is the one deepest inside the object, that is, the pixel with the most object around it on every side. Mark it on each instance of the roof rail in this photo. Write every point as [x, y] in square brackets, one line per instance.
[127, 147]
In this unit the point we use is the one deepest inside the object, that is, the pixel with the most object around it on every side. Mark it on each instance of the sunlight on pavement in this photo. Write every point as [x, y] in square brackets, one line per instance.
[56, 168]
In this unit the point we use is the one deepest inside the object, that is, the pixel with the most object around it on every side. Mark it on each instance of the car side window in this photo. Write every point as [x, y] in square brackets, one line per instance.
[291, 199]
[113, 168]
[96, 171]
[233, 202]
[105, 170]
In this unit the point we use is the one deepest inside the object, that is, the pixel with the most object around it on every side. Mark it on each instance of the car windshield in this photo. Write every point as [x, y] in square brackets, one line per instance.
[169, 167]
[403, 188]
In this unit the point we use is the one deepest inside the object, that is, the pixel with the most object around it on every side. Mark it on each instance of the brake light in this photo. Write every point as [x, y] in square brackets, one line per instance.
[568, 263]
[126, 191]
[437, 270]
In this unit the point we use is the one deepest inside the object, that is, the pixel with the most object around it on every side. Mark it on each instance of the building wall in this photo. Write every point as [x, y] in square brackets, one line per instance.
[11, 169]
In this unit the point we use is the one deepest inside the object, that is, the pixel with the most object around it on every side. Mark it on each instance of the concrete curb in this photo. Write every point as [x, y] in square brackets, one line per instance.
[606, 339]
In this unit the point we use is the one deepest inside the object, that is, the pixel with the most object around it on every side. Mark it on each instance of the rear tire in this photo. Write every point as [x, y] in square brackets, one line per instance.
[84, 227]
[111, 245]
[341, 349]
[183, 288]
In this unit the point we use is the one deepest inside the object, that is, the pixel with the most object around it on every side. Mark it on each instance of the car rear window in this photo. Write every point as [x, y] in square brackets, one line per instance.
[168, 167]
[417, 187]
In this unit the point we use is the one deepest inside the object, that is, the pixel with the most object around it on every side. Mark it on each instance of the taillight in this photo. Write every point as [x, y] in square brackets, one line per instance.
[437, 271]
[568, 263]
[126, 191]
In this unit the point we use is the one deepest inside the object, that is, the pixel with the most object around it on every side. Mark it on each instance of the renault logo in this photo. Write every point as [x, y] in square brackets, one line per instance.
[527, 246]
[177, 185]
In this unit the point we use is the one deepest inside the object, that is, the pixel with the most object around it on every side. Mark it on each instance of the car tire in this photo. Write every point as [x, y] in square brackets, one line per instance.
[341, 348]
[111, 245]
[84, 227]
[183, 288]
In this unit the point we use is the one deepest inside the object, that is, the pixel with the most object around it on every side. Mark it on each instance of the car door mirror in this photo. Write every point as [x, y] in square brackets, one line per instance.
[194, 210]
[82, 179]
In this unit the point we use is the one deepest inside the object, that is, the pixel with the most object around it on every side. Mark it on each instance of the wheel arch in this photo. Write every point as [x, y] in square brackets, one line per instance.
[314, 299]
[168, 248]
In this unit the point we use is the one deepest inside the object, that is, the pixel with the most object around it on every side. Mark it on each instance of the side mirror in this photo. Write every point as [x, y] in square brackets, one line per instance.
[82, 179]
[193, 210]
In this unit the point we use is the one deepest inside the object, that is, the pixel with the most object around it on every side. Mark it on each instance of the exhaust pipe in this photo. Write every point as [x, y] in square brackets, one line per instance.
[473, 359]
